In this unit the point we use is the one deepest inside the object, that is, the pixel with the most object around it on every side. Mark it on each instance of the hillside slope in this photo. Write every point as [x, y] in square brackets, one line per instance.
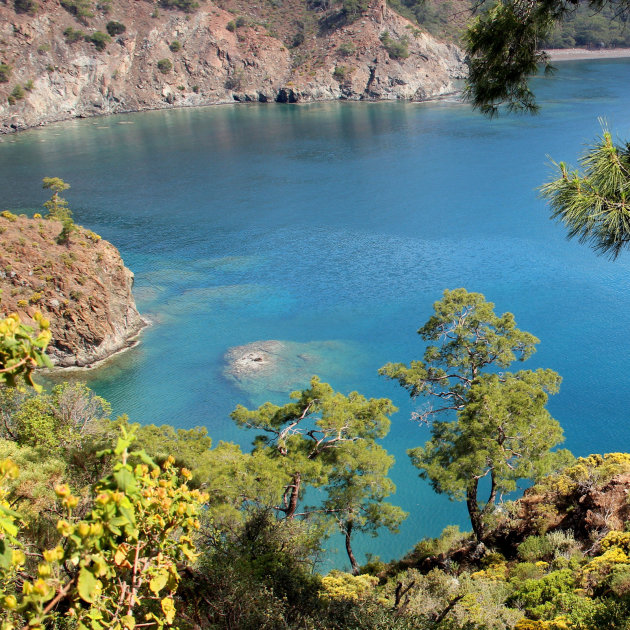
[208, 55]
[81, 286]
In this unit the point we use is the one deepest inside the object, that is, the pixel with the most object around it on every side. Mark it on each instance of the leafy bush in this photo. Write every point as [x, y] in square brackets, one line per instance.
[175, 46]
[99, 39]
[5, 72]
[8, 215]
[535, 548]
[342, 73]
[165, 66]
[29, 85]
[81, 9]
[397, 49]
[26, 6]
[231, 26]
[115, 28]
[73, 35]
[352, 9]
[346, 49]
[188, 6]
[18, 92]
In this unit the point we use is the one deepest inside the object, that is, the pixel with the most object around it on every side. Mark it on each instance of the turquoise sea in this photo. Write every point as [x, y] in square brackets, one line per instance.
[335, 226]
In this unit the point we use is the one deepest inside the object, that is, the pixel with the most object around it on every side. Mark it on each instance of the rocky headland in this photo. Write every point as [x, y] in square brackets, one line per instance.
[81, 286]
[58, 60]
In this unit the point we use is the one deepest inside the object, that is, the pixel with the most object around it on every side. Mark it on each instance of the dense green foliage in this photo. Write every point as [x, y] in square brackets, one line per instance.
[99, 39]
[165, 65]
[115, 28]
[502, 430]
[590, 28]
[396, 48]
[5, 72]
[94, 536]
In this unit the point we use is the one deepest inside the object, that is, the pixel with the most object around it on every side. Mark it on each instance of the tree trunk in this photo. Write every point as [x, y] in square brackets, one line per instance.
[294, 489]
[476, 518]
[353, 561]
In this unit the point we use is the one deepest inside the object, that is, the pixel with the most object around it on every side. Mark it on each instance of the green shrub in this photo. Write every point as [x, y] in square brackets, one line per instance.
[18, 93]
[81, 9]
[99, 39]
[241, 21]
[195, 89]
[26, 6]
[535, 548]
[29, 85]
[5, 72]
[188, 6]
[115, 28]
[175, 46]
[165, 66]
[397, 49]
[341, 73]
[44, 48]
[73, 35]
[346, 49]
[352, 9]
[231, 26]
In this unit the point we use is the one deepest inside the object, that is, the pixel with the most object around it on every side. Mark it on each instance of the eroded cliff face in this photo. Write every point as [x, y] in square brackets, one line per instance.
[82, 287]
[214, 64]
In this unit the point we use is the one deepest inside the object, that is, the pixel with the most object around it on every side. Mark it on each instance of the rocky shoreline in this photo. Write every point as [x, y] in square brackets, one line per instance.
[178, 60]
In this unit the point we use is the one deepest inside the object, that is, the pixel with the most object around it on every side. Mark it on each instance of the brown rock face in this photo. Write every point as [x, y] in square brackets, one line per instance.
[82, 287]
[211, 59]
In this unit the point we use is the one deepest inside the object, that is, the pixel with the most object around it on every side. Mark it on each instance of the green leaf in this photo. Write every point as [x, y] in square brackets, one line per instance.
[158, 582]
[6, 555]
[125, 480]
[87, 586]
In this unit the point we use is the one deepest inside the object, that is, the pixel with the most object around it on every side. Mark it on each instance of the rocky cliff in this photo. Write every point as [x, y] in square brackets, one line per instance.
[60, 62]
[82, 287]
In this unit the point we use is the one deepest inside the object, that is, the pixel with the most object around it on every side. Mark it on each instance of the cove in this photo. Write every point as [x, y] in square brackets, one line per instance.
[335, 226]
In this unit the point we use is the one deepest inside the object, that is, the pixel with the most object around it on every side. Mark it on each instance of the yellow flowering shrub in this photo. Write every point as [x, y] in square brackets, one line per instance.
[340, 585]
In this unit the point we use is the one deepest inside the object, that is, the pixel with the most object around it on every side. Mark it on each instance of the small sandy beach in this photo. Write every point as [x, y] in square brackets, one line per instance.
[570, 54]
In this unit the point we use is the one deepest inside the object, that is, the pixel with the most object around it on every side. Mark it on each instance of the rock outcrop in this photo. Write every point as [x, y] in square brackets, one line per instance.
[82, 287]
[210, 60]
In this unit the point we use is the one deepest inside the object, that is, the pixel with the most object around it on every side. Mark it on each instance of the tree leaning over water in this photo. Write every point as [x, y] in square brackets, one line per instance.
[503, 42]
[502, 431]
[502, 45]
[327, 440]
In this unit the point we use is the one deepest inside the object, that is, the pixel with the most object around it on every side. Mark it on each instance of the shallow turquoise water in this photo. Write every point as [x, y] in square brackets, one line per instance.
[344, 222]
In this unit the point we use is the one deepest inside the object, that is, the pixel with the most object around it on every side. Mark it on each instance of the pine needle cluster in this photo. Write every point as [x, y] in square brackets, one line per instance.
[594, 204]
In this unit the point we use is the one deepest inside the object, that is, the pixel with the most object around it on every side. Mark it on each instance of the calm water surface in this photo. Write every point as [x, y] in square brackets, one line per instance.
[343, 223]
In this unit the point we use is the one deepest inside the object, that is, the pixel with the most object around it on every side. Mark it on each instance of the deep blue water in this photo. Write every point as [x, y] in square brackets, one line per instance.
[344, 222]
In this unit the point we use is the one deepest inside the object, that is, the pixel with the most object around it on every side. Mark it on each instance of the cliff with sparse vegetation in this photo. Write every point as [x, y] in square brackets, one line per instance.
[83, 58]
[80, 285]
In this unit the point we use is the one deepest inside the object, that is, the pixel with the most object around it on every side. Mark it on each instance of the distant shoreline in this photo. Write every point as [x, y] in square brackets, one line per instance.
[570, 54]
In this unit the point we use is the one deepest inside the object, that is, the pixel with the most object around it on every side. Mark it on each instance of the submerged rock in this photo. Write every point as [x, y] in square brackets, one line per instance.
[284, 366]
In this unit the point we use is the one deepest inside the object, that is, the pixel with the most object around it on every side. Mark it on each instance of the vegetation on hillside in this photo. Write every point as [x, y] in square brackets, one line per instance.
[109, 525]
